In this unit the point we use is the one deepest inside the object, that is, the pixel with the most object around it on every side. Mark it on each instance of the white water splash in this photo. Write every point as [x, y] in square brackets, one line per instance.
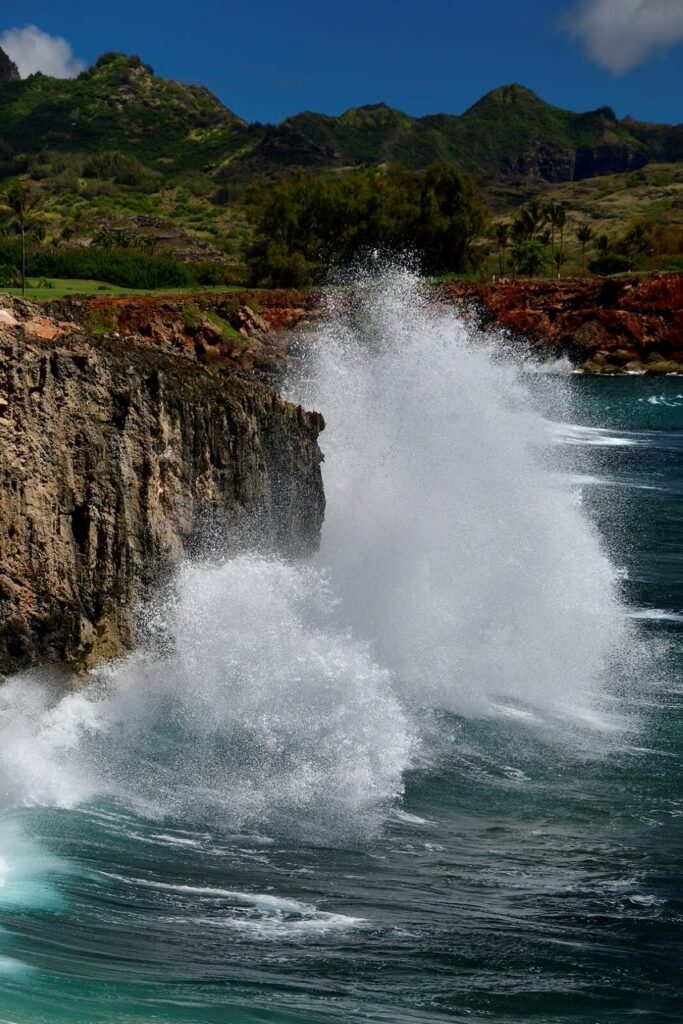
[454, 544]
[251, 915]
[262, 711]
[461, 560]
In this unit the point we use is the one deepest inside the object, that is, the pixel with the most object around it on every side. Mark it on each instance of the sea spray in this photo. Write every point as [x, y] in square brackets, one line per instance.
[455, 546]
[261, 711]
[458, 574]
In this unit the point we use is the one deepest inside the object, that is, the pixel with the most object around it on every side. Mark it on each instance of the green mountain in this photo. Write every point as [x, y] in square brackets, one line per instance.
[508, 133]
[122, 156]
[119, 104]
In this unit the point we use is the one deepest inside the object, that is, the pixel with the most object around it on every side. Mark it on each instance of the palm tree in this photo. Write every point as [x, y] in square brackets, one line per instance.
[584, 233]
[549, 211]
[21, 203]
[558, 219]
[536, 215]
[502, 241]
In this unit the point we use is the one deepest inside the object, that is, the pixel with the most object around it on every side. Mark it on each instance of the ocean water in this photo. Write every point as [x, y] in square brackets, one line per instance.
[433, 774]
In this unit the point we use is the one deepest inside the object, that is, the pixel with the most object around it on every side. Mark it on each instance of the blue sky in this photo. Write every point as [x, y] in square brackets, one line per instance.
[267, 60]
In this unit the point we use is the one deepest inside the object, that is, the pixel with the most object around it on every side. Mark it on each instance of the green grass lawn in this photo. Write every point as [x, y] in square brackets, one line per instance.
[59, 289]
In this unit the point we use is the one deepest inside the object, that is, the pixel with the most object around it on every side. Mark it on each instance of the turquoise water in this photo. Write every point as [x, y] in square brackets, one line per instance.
[439, 860]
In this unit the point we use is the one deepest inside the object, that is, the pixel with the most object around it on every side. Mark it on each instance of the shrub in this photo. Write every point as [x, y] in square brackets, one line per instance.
[610, 263]
[102, 321]
[128, 268]
[216, 274]
[122, 169]
[531, 258]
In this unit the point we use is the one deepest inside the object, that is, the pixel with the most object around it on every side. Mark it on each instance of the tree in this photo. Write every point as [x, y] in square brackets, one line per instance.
[451, 215]
[609, 262]
[536, 216]
[584, 233]
[635, 241]
[502, 242]
[19, 210]
[549, 211]
[305, 223]
[531, 257]
[558, 219]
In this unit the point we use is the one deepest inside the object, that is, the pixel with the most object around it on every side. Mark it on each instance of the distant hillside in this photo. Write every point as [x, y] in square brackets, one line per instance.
[119, 104]
[121, 156]
[509, 133]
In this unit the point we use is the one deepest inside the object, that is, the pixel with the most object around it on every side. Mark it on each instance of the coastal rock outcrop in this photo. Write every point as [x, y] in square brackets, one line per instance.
[116, 458]
[602, 325]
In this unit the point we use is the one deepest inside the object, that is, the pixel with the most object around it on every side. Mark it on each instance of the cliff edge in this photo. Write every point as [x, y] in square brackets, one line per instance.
[115, 458]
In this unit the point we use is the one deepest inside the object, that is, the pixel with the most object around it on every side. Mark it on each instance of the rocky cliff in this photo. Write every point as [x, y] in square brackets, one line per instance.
[602, 325]
[8, 69]
[115, 458]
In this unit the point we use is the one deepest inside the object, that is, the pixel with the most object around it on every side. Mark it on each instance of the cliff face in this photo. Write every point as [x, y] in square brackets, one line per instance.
[114, 457]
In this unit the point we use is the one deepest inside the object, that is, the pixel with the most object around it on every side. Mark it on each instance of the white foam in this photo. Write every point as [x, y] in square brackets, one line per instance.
[264, 710]
[578, 434]
[409, 819]
[586, 480]
[265, 916]
[10, 967]
[672, 401]
[25, 871]
[176, 840]
[655, 615]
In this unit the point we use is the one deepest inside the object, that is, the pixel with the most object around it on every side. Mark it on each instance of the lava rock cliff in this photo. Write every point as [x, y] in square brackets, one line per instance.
[115, 459]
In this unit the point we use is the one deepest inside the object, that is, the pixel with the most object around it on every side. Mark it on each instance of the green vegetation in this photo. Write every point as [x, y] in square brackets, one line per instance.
[124, 267]
[102, 321]
[20, 211]
[58, 288]
[531, 258]
[306, 224]
[120, 105]
[148, 183]
[635, 217]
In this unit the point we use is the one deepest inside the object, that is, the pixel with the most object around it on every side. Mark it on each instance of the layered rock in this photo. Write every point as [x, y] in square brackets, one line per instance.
[116, 457]
[602, 325]
[241, 332]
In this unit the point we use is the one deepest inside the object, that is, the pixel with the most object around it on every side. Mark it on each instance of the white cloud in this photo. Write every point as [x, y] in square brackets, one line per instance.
[33, 50]
[620, 34]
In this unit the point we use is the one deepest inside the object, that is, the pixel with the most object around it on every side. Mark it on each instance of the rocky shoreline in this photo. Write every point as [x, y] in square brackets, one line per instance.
[601, 325]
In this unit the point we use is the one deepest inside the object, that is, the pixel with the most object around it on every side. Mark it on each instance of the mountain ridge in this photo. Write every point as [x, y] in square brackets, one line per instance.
[120, 104]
